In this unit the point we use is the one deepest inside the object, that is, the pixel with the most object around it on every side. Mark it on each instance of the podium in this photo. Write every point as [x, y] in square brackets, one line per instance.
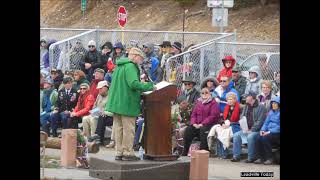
[158, 128]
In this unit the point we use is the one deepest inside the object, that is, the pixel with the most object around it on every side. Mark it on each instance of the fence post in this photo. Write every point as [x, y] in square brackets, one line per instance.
[201, 63]
[114, 37]
[165, 36]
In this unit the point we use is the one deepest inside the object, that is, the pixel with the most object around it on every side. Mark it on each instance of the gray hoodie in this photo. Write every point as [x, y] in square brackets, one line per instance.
[254, 85]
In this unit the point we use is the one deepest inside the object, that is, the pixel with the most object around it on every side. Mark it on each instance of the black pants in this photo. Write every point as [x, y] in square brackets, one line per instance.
[264, 145]
[192, 132]
[101, 126]
[73, 122]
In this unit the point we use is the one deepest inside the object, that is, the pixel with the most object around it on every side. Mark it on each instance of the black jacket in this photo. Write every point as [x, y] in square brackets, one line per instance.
[67, 102]
[94, 58]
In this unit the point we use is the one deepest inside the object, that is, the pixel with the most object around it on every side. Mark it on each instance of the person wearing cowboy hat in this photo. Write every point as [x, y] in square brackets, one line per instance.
[190, 91]
[124, 102]
[211, 83]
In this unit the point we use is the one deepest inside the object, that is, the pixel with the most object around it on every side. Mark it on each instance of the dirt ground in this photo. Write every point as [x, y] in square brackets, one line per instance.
[254, 24]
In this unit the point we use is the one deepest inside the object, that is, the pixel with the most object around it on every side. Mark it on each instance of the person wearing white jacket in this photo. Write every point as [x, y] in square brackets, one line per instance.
[222, 133]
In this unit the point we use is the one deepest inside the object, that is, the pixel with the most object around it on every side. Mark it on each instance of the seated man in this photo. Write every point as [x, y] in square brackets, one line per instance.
[255, 115]
[90, 121]
[180, 115]
[67, 100]
[49, 99]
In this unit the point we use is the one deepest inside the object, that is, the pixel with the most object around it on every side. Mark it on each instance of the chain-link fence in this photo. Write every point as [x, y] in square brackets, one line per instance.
[66, 54]
[60, 33]
[265, 56]
[198, 62]
[203, 60]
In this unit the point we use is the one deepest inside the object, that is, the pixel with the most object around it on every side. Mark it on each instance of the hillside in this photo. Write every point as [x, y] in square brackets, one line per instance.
[254, 23]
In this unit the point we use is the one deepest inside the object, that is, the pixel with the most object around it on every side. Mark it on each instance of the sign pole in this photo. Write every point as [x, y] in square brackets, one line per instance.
[122, 35]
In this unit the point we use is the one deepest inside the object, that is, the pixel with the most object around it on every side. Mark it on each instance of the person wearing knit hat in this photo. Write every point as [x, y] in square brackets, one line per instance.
[92, 43]
[92, 60]
[124, 102]
[177, 48]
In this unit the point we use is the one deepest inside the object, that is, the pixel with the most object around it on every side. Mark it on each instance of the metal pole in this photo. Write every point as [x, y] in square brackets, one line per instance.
[184, 12]
[221, 25]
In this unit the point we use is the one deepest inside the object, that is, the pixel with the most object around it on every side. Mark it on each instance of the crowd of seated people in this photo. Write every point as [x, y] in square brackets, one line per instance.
[247, 109]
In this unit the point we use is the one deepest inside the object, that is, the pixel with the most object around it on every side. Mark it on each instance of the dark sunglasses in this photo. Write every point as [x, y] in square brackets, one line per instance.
[91, 46]
[223, 81]
[205, 93]
[187, 84]
[83, 88]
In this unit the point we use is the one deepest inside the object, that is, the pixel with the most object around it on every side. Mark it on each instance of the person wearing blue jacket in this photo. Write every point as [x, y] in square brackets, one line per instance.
[269, 134]
[220, 93]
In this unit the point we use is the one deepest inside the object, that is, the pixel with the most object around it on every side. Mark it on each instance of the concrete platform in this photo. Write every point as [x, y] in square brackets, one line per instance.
[105, 167]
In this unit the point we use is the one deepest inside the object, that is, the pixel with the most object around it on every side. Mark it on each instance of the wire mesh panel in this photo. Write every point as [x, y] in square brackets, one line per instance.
[266, 56]
[60, 34]
[67, 54]
[198, 63]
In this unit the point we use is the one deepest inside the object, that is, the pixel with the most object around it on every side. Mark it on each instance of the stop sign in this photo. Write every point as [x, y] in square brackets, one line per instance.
[122, 16]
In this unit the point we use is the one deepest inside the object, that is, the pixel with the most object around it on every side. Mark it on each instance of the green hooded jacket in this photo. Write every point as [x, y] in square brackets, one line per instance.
[125, 90]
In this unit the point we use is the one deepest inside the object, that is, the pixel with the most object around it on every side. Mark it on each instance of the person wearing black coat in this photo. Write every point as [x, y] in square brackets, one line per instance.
[67, 100]
[92, 60]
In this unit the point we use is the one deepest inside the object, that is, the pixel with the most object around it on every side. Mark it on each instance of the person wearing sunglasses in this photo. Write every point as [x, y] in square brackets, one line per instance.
[254, 80]
[226, 85]
[84, 105]
[92, 60]
[124, 102]
[190, 91]
[205, 114]
[228, 63]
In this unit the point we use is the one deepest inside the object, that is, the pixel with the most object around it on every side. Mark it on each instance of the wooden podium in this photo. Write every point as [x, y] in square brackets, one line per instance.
[158, 128]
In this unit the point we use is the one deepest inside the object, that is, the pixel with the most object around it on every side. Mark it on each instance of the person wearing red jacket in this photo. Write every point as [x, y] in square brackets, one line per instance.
[205, 114]
[228, 63]
[84, 105]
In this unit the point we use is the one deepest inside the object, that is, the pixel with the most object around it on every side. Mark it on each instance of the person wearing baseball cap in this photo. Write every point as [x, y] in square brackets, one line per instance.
[239, 82]
[94, 124]
[124, 102]
[253, 116]
[98, 76]
[49, 99]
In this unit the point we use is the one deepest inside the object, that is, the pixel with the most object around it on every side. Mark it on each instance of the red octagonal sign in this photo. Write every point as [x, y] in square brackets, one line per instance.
[122, 16]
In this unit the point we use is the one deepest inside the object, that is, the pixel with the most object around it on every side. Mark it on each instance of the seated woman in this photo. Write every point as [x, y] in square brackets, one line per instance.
[220, 134]
[269, 134]
[180, 115]
[205, 114]
[211, 83]
[232, 111]
[84, 105]
[266, 94]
